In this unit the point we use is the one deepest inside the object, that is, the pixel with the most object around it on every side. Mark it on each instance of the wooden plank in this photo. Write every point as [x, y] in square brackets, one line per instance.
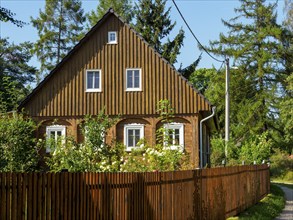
[69, 196]
[66, 186]
[20, 195]
[3, 204]
[48, 196]
[38, 189]
[13, 195]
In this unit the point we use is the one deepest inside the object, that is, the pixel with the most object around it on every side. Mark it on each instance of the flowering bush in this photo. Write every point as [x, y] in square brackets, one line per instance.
[159, 157]
[156, 158]
[95, 155]
[91, 155]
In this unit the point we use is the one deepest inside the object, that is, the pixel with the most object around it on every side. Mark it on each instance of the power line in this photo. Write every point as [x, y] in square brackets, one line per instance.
[221, 61]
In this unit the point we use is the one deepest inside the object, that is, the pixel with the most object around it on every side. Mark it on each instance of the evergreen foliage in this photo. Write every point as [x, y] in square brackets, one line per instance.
[154, 24]
[60, 27]
[15, 73]
[258, 86]
[189, 70]
[7, 15]
[123, 8]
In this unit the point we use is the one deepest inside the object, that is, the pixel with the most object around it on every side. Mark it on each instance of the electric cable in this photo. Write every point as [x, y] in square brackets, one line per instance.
[194, 34]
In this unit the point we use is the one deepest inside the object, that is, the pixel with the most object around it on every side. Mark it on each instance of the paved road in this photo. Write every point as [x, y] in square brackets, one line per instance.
[287, 213]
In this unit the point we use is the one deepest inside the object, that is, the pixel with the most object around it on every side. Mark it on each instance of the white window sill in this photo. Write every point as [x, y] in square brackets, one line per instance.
[133, 90]
[129, 149]
[93, 90]
[114, 42]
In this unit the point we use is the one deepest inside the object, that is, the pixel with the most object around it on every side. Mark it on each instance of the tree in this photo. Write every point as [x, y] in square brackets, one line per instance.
[187, 71]
[59, 27]
[6, 15]
[18, 147]
[286, 103]
[289, 14]
[15, 73]
[256, 47]
[123, 8]
[154, 24]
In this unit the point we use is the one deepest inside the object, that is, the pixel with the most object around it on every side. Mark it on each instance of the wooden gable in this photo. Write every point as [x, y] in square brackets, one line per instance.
[62, 92]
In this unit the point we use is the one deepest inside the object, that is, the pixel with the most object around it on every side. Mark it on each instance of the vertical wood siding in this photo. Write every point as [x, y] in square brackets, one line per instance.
[64, 94]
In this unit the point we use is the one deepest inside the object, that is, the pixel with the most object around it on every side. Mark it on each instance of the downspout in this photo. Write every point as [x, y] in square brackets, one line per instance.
[200, 134]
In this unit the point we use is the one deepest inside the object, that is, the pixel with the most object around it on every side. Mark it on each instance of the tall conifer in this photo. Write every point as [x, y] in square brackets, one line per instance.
[123, 8]
[59, 27]
[154, 24]
[15, 73]
[254, 41]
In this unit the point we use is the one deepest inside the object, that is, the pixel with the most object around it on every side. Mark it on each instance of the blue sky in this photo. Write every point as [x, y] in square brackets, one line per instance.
[203, 16]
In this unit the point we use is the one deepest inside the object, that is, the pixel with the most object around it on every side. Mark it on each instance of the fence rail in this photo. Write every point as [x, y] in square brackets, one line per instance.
[194, 194]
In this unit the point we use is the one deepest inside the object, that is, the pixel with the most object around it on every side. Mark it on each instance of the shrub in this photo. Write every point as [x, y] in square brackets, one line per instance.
[281, 165]
[18, 146]
[155, 158]
[91, 155]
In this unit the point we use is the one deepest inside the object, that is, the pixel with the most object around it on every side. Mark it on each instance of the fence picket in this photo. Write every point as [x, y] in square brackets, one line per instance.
[198, 194]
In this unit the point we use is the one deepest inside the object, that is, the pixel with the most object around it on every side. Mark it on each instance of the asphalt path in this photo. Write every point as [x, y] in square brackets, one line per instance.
[287, 213]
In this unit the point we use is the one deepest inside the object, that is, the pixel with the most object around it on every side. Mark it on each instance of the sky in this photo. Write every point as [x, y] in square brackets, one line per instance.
[203, 16]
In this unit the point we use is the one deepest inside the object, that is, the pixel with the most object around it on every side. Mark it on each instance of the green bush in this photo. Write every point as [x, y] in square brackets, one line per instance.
[155, 158]
[91, 155]
[281, 166]
[18, 146]
[257, 148]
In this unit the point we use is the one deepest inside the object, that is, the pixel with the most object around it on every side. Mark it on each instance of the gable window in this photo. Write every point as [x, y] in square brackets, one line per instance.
[55, 133]
[175, 135]
[93, 81]
[112, 37]
[132, 134]
[133, 79]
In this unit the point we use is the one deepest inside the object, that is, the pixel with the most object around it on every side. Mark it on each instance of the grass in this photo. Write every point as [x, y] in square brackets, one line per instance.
[268, 208]
[288, 185]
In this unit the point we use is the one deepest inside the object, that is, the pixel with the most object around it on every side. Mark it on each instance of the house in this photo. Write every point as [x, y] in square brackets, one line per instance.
[115, 68]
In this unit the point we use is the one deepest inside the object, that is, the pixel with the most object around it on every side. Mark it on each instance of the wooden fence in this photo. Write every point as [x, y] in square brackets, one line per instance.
[195, 194]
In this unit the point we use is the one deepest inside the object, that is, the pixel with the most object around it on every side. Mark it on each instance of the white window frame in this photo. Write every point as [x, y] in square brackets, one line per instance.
[179, 126]
[130, 127]
[100, 81]
[109, 37]
[55, 128]
[133, 89]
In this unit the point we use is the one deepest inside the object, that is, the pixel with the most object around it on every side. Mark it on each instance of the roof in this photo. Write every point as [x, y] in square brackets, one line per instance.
[81, 42]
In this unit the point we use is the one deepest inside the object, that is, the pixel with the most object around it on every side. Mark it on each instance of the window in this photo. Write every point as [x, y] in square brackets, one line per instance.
[112, 37]
[132, 134]
[93, 81]
[175, 134]
[133, 79]
[55, 132]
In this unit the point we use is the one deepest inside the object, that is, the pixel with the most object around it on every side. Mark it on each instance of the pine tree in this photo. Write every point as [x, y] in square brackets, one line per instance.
[289, 14]
[15, 73]
[154, 24]
[286, 105]
[7, 15]
[123, 8]
[255, 48]
[59, 27]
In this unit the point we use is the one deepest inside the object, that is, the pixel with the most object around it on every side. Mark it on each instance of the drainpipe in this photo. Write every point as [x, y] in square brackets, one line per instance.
[200, 134]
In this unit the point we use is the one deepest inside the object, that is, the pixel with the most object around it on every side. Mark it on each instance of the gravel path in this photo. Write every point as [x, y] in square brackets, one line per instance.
[287, 213]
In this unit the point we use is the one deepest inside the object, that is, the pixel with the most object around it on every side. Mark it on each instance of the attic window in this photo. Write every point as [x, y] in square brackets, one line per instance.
[112, 37]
